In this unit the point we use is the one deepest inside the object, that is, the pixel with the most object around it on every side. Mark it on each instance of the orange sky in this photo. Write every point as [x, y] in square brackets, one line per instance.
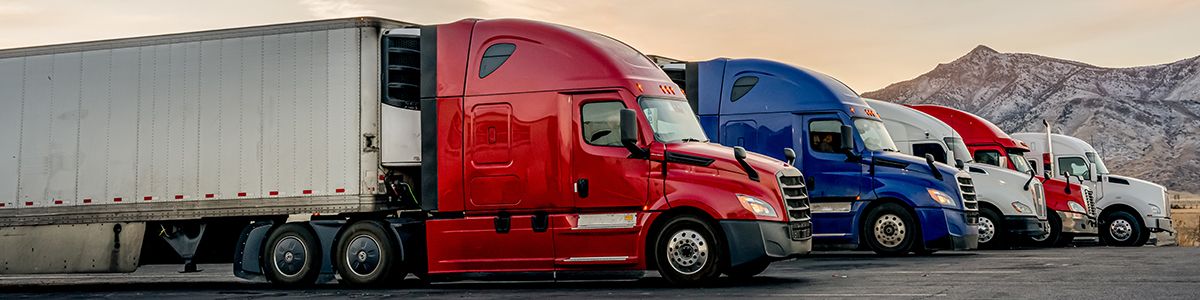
[867, 44]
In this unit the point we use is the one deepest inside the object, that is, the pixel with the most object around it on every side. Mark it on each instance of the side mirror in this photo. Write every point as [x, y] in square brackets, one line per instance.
[629, 134]
[1067, 189]
[958, 163]
[739, 153]
[1032, 174]
[847, 142]
[790, 155]
[933, 168]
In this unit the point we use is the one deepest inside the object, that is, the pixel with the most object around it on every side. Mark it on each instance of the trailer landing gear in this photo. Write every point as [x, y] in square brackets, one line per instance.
[184, 238]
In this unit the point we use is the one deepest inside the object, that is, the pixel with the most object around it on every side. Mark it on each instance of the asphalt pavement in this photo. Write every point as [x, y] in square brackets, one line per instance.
[1064, 273]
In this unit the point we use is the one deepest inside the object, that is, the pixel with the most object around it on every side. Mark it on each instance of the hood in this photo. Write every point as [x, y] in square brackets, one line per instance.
[723, 159]
[1152, 192]
[915, 163]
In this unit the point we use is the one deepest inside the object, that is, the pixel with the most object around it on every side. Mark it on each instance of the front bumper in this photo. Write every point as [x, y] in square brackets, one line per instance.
[947, 229]
[1026, 225]
[1077, 223]
[751, 241]
[1160, 224]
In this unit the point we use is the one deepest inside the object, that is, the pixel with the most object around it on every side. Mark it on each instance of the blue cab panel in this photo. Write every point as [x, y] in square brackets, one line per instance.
[766, 106]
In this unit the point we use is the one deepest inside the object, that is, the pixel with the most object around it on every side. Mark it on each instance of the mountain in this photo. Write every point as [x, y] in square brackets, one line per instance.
[1144, 121]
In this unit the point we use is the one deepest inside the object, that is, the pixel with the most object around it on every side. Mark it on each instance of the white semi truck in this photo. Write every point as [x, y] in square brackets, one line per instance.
[1012, 204]
[1131, 210]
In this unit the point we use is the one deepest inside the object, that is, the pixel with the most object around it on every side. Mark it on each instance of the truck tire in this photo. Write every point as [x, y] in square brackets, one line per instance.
[367, 254]
[890, 230]
[748, 270]
[687, 251]
[1123, 229]
[992, 234]
[292, 256]
[1050, 239]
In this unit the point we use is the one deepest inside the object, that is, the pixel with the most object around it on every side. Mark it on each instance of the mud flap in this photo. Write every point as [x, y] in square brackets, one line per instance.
[246, 262]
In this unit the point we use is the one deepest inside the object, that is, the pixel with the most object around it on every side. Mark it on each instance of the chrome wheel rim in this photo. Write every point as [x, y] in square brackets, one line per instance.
[1120, 229]
[987, 230]
[290, 256]
[890, 230]
[363, 255]
[687, 251]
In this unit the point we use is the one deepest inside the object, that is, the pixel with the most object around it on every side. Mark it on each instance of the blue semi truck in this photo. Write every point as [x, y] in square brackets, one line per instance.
[864, 194]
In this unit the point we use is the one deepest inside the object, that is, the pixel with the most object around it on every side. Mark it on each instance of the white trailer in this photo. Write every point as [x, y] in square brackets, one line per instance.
[103, 139]
[1130, 209]
[1012, 204]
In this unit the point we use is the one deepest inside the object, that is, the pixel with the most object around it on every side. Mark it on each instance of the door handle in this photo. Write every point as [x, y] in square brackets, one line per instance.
[581, 187]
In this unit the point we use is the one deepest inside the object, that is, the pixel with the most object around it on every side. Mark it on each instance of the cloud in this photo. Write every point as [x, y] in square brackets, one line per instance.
[326, 9]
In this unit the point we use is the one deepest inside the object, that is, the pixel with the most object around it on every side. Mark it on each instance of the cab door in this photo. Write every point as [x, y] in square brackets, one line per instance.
[834, 183]
[610, 189]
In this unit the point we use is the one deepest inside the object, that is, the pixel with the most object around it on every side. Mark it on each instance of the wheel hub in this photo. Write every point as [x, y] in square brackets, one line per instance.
[363, 255]
[889, 230]
[289, 256]
[987, 230]
[1120, 229]
[687, 251]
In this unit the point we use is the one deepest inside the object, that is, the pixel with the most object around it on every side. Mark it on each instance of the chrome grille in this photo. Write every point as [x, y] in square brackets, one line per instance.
[795, 197]
[1090, 200]
[1039, 199]
[966, 189]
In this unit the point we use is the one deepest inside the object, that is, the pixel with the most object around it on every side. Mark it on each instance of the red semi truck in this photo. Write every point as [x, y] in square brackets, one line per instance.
[368, 149]
[1072, 206]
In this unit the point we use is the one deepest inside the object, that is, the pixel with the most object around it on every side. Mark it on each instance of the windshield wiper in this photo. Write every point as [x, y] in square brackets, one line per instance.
[685, 140]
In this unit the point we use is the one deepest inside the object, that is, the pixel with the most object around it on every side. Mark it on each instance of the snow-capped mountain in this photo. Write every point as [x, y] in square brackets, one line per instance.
[1145, 121]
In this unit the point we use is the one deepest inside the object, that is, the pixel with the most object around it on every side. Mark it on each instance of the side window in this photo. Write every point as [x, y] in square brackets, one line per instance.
[939, 154]
[493, 57]
[601, 122]
[990, 157]
[741, 86]
[824, 135]
[1075, 166]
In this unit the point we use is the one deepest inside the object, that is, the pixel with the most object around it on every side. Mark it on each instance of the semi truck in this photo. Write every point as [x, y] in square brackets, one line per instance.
[1072, 205]
[1131, 210]
[1012, 205]
[864, 193]
[365, 149]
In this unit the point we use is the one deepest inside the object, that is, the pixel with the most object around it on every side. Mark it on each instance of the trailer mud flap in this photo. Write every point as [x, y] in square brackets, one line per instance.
[246, 263]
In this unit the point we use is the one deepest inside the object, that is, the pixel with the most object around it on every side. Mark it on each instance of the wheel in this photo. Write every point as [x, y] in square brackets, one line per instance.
[748, 270]
[292, 256]
[1123, 229]
[891, 230]
[1064, 240]
[687, 251]
[1051, 237]
[992, 234]
[367, 254]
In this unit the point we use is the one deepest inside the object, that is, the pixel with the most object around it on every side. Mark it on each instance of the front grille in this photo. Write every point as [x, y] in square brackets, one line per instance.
[966, 189]
[1090, 200]
[795, 197]
[1039, 199]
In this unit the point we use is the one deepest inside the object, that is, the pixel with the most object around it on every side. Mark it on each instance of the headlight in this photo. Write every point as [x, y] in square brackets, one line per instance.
[1076, 207]
[1021, 207]
[1154, 210]
[941, 197]
[758, 207]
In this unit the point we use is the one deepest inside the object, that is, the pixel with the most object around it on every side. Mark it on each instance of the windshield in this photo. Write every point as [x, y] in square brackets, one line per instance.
[1018, 161]
[960, 150]
[874, 135]
[1095, 159]
[672, 120]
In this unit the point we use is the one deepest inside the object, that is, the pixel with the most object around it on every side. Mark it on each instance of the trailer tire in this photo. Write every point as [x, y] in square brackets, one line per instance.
[991, 227]
[891, 230]
[292, 256]
[687, 251]
[367, 254]
[1051, 239]
[1123, 229]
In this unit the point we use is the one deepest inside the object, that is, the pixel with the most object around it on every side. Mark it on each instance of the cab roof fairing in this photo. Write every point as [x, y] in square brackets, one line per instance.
[975, 130]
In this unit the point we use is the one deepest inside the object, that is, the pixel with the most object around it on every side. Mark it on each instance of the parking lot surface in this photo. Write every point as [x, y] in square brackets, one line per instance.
[1064, 273]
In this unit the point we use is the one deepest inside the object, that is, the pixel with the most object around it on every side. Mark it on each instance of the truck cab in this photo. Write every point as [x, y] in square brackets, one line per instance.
[864, 193]
[1072, 212]
[1131, 209]
[1012, 205]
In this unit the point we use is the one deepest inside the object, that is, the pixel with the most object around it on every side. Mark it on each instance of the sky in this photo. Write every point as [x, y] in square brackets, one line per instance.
[867, 44]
